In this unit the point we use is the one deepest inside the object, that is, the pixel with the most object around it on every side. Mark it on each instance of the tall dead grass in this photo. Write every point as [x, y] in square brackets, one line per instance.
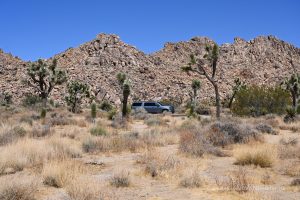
[258, 155]
[60, 173]
[31, 152]
[18, 188]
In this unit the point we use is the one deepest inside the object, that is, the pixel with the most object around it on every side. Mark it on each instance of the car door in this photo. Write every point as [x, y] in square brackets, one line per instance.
[150, 107]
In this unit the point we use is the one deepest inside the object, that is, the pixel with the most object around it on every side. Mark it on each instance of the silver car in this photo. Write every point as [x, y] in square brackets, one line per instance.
[153, 107]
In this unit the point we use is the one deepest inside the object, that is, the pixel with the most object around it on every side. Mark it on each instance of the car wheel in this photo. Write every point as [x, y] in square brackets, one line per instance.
[165, 111]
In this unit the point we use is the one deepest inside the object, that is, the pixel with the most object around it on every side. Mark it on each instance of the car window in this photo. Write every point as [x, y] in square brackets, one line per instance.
[137, 104]
[149, 104]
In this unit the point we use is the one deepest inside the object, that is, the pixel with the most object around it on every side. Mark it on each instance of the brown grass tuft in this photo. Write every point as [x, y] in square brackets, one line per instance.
[12, 188]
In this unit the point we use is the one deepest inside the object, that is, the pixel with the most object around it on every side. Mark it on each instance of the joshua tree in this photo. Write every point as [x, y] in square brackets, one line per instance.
[93, 111]
[125, 87]
[293, 86]
[196, 85]
[238, 85]
[43, 78]
[76, 92]
[199, 66]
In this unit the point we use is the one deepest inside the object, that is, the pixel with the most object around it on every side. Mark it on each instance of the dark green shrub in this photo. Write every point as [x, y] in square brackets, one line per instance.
[260, 100]
[112, 114]
[106, 106]
[31, 100]
[5, 99]
[290, 115]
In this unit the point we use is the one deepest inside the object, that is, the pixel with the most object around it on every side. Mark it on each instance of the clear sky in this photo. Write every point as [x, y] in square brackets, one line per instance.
[33, 29]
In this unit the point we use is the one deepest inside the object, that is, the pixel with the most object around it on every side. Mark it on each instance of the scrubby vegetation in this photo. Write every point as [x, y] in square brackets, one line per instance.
[260, 100]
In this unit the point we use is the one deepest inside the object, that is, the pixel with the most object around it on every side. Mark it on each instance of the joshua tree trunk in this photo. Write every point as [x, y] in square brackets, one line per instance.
[295, 101]
[218, 105]
[231, 99]
[124, 106]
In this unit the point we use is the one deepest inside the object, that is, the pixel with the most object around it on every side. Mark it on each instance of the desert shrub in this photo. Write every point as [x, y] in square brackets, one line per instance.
[60, 120]
[98, 131]
[288, 152]
[202, 110]
[119, 122]
[192, 180]
[60, 173]
[156, 165]
[295, 182]
[9, 134]
[289, 141]
[155, 121]
[41, 131]
[5, 99]
[260, 100]
[258, 157]
[106, 106]
[18, 189]
[111, 114]
[224, 133]
[290, 115]
[89, 145]
[140, 114]
[120, 179]
[265, 128]
[236, 181]
[195, 144]
[31, 100]
[26, 119]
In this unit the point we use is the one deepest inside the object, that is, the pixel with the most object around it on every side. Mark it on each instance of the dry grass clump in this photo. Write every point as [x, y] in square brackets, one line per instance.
[191, 180]
[230, 132]
[60, 173]
[129, 142]
[30, 152]
[60, 120]
[197, 140]
[156, 165]
[263, 156]
[265, 128]
[289, 141]
[295, 182]
[236, 181]
[12, 188]
[155, 121]
[196, 144]
[82, 189]
[288, 152]
[98, 131]
[10, 133]
[291, 168]
[140, 114]
[120, 179]
[41, 131]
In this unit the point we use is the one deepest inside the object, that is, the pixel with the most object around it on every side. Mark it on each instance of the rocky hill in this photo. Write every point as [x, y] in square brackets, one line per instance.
[263, 60]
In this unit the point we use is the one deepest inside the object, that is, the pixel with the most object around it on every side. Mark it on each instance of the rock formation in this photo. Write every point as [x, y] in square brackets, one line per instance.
[263, 60]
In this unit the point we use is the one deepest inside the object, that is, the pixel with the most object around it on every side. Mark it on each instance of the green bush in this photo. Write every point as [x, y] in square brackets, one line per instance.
[106, 106]
[112, 114]
[31, 100]
[5, 99]
[260, 100]
[98, 131]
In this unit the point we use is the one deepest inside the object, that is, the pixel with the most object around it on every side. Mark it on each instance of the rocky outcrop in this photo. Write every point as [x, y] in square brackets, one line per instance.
[263, 60]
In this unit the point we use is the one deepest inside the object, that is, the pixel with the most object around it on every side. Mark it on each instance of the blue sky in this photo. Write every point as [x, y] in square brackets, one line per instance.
[33, 29]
